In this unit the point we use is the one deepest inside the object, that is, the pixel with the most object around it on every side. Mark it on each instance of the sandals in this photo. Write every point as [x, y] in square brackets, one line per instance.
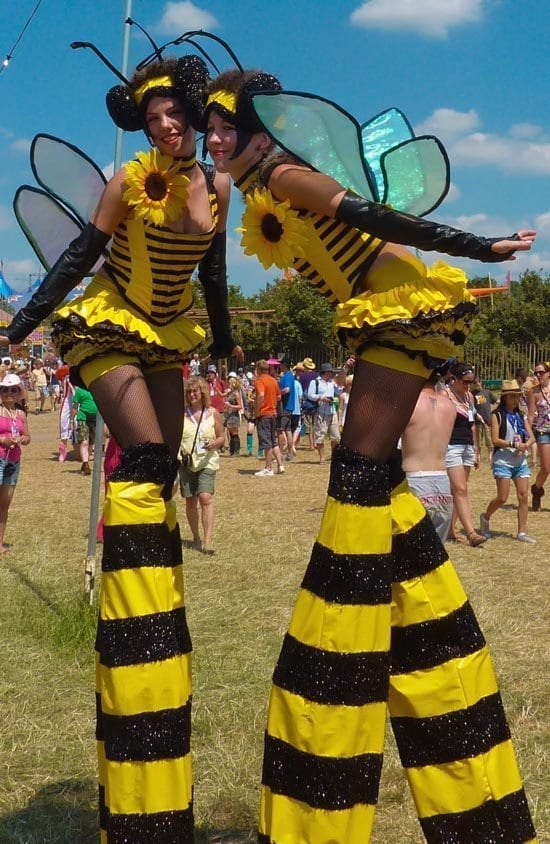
[475, 539]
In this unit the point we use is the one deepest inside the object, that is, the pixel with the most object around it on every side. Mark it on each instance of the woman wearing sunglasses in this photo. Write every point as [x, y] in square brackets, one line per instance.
[539, 419]
[13, 434]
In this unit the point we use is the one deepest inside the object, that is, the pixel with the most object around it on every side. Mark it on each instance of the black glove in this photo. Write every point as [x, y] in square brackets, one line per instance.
[395, 227]
[213, 277]
[69, 269]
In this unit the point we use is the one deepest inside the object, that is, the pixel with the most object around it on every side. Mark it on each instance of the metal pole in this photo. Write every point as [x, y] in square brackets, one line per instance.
[89, 574]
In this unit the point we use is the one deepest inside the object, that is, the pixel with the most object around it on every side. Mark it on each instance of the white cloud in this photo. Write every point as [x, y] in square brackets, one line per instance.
[511, 153]
[5, 133]
[180, 17]
[6, 217]
[432, 18]
[525, 130]
[454, 193]
[542, 224]
[21, 145]
[17, 273]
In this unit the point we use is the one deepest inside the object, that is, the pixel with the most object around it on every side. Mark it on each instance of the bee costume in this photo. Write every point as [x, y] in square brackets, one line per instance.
[131, 318]
[381, 621]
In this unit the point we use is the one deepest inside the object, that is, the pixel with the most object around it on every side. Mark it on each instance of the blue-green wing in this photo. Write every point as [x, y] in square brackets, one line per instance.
[68, 174]
[416, 174]
[380, 134]
[320, 134]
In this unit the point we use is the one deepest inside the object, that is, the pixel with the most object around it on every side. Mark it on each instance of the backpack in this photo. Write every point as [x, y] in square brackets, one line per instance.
[309, 407]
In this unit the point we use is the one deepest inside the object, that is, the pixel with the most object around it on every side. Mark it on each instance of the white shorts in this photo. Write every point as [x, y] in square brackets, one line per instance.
[434, 491]
[459, 455]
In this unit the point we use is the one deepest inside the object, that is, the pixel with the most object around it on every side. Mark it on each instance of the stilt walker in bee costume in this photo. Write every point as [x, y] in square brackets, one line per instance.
[381, 620]
[127, 335]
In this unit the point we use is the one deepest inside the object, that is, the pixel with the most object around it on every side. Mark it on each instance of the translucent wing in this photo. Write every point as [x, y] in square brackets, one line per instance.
[47, 225]
[68, 174]
[380, 134]
[417, 175]
[320, 134]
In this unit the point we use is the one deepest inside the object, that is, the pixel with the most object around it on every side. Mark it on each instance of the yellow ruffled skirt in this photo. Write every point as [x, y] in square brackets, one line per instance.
[101, 322]
[421, 313]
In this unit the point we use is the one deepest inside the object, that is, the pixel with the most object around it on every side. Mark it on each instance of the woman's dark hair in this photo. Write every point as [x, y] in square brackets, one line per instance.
[459, 369]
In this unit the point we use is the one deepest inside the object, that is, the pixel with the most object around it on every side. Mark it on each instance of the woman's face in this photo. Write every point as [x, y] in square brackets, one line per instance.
[194, 395]
[221, 142]
[542, 374]
[167, 125]
[464, 382]
[512, 401]
[10, 395]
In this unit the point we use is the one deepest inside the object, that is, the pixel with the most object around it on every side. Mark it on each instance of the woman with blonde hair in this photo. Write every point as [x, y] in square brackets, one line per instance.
[233, 407]
[202, 436]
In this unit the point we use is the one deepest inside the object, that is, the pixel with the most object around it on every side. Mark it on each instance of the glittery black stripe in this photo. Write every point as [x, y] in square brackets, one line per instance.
[355, 479]
[148, 736]
[321, 782]
[132, 546]
[431, 643]
[332, 678]
[160, 828]
[145, 638]
[455, 735]
[348, 578]
[146, 463]
[103, 811]
[263, 839]
[505, 821]
[417, 552]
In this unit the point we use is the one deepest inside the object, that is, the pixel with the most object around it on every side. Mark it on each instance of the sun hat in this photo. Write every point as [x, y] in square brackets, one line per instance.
[212, 368]
[232, 374]
[308, 363]
[508, 387]
[299, 365]
[326, 367]
[10, 380]
[250, 376]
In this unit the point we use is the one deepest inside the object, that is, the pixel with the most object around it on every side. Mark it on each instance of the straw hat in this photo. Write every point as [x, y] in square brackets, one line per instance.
[510, 387]
[308, 363]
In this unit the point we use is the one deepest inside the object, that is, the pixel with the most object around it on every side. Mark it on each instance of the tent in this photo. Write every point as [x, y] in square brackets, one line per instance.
[5, 289]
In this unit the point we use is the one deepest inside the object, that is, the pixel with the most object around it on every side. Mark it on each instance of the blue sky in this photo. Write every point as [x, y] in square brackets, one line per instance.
[473, 72]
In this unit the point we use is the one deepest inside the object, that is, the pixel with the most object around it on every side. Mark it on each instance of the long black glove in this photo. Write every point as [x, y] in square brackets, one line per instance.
[213, 277]
[69, 269]
[396, 227]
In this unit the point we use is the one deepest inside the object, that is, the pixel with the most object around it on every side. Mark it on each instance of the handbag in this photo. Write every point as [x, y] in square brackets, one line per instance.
[186, 459]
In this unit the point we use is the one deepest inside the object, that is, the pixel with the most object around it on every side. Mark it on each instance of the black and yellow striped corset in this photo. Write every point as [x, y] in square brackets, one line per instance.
[337, 256]
[152, 266]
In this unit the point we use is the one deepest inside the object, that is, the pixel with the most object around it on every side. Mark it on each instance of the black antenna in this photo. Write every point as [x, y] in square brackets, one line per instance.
[157, 52]
[203, 52]
[76, 45]
[204, 34]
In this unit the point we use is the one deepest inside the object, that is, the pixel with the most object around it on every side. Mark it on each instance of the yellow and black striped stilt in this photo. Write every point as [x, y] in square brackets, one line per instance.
[143, 660]
[325, 731]
[445, 707]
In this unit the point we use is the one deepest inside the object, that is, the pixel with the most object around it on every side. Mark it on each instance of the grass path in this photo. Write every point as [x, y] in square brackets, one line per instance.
[239, 603]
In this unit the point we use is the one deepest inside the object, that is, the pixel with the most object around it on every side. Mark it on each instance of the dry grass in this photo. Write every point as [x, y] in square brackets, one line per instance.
[239, 603]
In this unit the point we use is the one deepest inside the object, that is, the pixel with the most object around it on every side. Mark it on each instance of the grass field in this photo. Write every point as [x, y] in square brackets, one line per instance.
[239, 603]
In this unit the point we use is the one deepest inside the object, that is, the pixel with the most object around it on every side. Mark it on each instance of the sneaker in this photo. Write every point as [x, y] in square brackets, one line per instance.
[282, 470]
[524, 537]
[264, 473]
[484, 528]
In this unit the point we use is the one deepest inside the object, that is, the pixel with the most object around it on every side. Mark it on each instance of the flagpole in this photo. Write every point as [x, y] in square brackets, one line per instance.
[89, 574]
[491, 286]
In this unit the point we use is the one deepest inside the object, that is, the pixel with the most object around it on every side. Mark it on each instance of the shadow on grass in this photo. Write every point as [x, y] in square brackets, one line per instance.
[61, 813]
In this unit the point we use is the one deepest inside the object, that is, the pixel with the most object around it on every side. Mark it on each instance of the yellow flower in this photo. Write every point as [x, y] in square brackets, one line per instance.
[155, 188]
[272, 230]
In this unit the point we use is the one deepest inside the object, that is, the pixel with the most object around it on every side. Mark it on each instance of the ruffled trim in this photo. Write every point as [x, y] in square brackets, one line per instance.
[442, 290]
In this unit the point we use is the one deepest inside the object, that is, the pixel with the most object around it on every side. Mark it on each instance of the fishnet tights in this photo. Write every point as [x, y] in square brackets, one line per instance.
[380, 405]
[140, 408]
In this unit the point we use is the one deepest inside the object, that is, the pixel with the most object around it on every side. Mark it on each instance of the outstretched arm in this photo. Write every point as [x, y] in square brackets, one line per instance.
[319, 193]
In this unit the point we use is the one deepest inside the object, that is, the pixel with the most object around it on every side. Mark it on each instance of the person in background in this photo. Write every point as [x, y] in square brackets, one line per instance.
[39, 381]
[14, 433]
[343, 401]
[203, 436]
[233, 407]
[484, 402]
[84, 412]
[539, 419]
[309, 408]
[265, 411]
[65, 410]
[296, 419]
[512, 437]
[216, 388]
[424, 447]
[462, 451]
[195, 365]
[526, 382]
[321, 391]
[284, 423]
[248, 411]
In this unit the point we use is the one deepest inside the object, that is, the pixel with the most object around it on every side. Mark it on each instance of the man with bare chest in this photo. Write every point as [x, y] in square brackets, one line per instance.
[423, 447]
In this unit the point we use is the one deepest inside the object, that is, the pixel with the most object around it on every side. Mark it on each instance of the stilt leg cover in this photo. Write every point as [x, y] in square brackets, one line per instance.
[445, 707]
[326, 719]
[143, 660]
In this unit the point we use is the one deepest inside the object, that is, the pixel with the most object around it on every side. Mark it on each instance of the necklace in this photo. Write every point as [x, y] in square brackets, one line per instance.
[12, 414]
[462, 400]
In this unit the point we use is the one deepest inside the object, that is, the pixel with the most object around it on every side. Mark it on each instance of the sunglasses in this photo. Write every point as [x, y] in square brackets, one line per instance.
[540, 372]
[9, 389]
[467, 380]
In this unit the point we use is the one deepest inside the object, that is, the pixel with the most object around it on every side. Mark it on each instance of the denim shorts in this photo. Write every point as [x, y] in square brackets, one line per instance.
[9, 472]
[542, 438]
[459, 455]
[502, 470]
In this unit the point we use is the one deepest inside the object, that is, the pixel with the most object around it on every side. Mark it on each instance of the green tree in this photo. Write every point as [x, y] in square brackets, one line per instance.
[521, 317]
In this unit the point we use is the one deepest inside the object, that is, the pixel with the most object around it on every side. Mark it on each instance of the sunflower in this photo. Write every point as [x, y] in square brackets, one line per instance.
[272, 230]
[156, 190]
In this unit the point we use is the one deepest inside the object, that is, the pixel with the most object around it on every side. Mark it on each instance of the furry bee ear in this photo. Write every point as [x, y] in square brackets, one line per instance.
[190, 79]
[123, 109]
[245, 114]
